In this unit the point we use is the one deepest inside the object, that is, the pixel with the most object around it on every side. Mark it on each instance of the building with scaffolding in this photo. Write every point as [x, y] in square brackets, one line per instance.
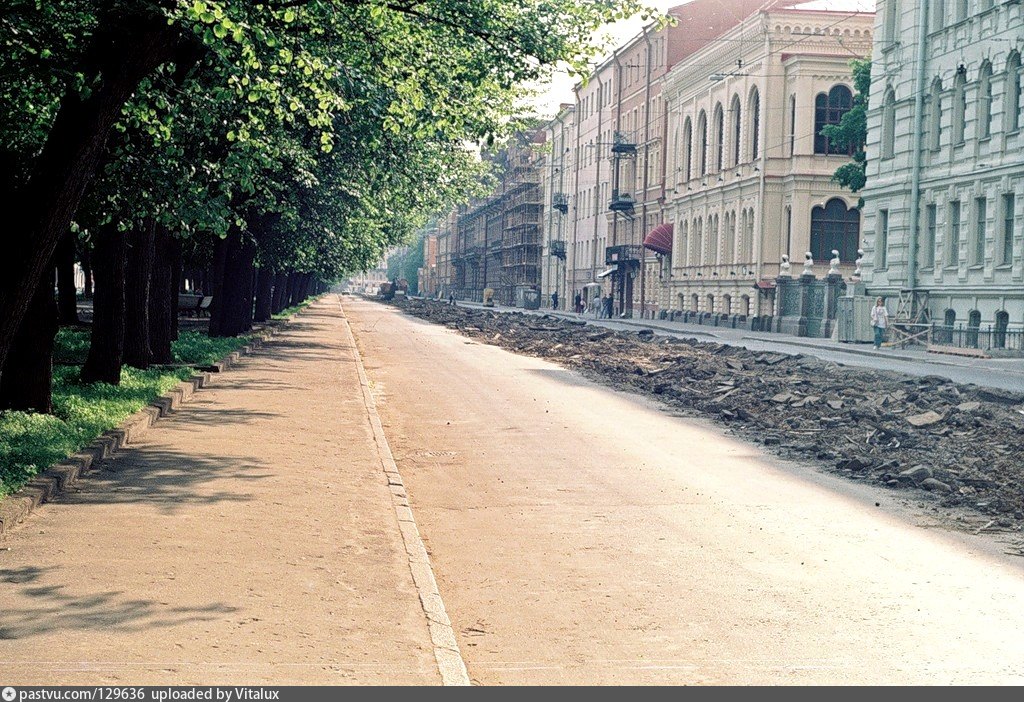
[495, 243]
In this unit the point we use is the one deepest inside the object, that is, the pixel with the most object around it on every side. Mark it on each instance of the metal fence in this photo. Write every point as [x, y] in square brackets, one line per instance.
[988, 338]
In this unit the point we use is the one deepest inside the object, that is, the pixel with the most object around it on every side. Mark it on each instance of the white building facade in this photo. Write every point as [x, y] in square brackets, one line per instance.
[945, 181]
[749, 176]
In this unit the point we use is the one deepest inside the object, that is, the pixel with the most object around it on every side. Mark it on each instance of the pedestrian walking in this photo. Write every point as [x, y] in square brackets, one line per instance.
[577, 304]
[880, 321]
[609, 304]
[554, 300]
[451, 298]
[597, 306]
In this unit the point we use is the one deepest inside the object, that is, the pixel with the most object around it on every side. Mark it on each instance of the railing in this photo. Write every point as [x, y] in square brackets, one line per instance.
[965, 336]
[622, 253]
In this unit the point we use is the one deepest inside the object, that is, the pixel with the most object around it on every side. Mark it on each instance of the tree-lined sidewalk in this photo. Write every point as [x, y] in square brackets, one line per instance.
[248, 538]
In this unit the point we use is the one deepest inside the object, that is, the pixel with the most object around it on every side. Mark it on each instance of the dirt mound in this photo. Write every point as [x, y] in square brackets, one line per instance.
[959, 443]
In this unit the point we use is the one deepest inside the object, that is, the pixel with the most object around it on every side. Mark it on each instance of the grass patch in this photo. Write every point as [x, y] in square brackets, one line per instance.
[289, 311]
[30, 443]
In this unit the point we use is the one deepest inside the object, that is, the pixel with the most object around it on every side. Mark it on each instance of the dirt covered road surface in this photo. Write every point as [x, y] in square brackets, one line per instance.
[581, 534]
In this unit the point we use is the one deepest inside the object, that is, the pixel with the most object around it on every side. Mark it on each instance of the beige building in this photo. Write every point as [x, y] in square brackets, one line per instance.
[749, 174]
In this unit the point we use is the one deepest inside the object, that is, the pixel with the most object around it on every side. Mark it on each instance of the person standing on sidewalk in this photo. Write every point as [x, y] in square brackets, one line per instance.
[879, 320]
[554, 300]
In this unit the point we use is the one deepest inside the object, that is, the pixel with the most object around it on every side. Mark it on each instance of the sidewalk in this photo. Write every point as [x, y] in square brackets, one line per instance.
[249, 538]
[1003, 373]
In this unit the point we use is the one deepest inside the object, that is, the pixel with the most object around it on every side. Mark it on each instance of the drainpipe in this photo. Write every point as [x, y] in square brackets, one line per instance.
[597, 173]
[763, 125]
[644, 180]
[915, 173]
[576, 190]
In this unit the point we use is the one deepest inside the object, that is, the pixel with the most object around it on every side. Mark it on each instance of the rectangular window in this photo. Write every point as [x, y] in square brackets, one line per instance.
[953, 245]
[1009, 203]
[981, 212]
[931, 216]
[882, 240]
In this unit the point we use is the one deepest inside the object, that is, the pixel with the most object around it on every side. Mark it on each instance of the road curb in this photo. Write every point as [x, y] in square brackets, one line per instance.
[56, 479]
[450, 663]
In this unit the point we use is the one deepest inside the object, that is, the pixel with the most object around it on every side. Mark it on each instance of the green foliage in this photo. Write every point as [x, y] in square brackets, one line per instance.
[30, 443]
[289, 311]
[329, 130]
[71, 346]
[201, 350]
[852, 130]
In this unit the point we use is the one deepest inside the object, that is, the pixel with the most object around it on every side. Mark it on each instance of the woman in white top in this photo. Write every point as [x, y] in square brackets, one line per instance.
[879, 320]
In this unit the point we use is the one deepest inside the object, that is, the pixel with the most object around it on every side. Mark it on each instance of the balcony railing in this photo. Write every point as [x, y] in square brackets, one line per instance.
[622, 202]
[623, 253]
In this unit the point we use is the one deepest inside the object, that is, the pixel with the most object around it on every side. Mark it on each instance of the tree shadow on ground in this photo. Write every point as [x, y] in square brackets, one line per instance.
[169, 480]
[32, 607]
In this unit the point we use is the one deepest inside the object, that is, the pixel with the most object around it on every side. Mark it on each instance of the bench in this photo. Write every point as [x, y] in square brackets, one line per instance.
[194, 304]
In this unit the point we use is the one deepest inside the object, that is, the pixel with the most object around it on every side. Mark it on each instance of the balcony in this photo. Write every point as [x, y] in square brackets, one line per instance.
[560, 201]
[624, 253]
[622, 202]
[623, 145]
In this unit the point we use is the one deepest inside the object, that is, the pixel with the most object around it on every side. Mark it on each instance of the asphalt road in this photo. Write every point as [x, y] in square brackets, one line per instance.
[583, 535]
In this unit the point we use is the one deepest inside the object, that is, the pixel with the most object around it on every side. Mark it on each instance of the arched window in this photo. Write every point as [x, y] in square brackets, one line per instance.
[1012, 92]
[985, 101]
[959, 106]
[694, 302]
[734, 109]
[891, 20]
[935, 116]
[835, 226]
[888, 123]
[697, 256]
[702, 143]
[713, 240]
[938, 14]
[829, 108]
[792, 125]
[683, 245]
[729, 254]
[719, 137]
[754, 108]
[687, 163]
[711, 304]
[748, 238]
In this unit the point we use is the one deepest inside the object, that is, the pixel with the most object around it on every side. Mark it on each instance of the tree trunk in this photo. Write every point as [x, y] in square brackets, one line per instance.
[162, 292]
[216, 286]
[124, 50]
[106, 345]
[87, 270]
[264, 294]
[27, 381]
[232, 314]
[137, 350]
[177, 280]
[67, 298]
[293, 288]
[280, 292]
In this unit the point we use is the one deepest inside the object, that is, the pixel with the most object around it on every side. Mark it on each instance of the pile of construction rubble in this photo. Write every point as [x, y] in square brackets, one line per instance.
[960, 443]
